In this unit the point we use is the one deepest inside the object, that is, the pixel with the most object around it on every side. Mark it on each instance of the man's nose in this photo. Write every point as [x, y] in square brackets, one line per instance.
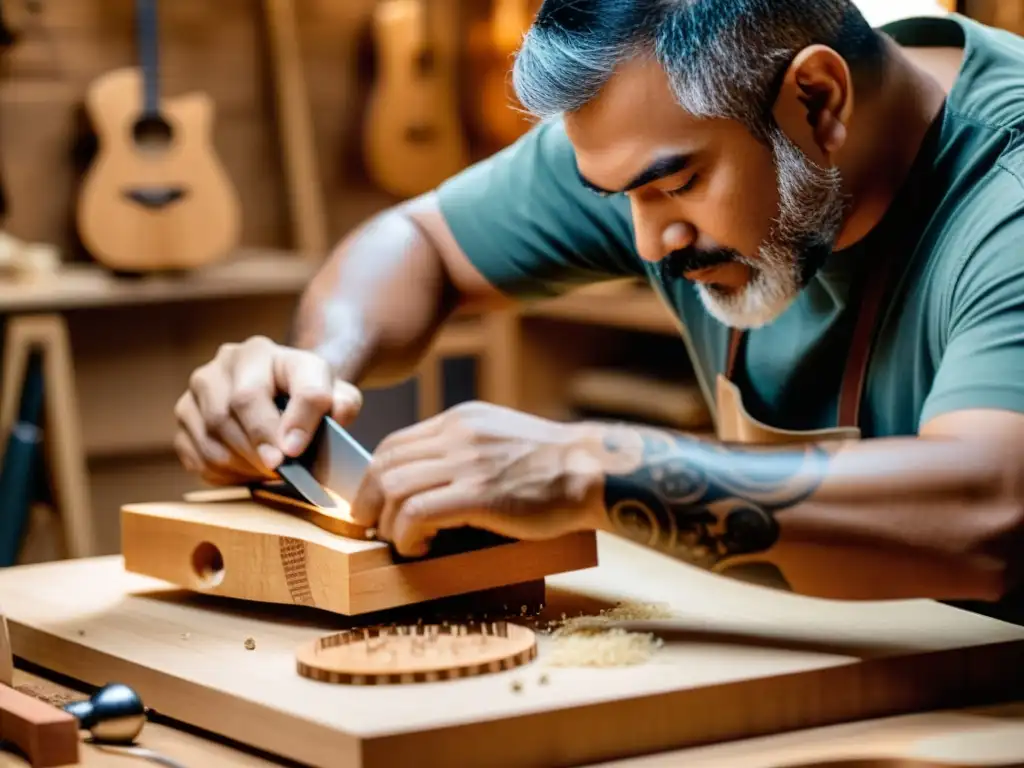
[655, 241]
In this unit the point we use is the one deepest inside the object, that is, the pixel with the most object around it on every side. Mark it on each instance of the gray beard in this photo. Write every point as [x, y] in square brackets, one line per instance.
[811, 211]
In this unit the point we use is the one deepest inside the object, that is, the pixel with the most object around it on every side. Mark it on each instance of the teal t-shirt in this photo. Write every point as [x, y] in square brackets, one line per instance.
[951, 333]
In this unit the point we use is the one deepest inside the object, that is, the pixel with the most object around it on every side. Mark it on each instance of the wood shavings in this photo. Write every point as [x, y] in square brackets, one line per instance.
[250, 644]
[57, 698]
[593, 641]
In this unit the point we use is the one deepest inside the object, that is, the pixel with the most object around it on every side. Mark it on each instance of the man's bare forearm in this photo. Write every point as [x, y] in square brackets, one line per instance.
[873, 519]
[377, 302]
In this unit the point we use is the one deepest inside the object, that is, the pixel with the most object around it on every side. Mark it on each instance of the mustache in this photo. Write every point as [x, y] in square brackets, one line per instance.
[680, 262]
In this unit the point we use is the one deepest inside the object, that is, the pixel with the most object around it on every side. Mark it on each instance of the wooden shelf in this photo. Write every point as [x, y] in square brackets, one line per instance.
[248, 273]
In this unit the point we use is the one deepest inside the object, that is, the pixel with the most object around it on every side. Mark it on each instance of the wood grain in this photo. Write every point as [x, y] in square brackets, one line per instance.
[244, 550]
[738, 662]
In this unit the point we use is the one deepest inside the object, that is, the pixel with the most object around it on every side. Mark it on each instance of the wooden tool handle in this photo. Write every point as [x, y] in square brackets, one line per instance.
[47, 736]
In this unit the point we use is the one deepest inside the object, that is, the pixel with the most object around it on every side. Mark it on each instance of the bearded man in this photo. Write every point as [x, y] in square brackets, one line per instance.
[834, 213]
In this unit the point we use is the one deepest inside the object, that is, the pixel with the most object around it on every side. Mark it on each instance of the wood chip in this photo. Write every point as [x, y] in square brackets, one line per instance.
[585, 641]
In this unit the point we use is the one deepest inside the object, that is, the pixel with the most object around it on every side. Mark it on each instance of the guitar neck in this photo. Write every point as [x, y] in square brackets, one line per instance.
[147, 34]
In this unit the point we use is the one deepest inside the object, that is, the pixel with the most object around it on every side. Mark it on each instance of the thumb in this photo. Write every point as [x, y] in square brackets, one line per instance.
[347, 402]
[306, 379]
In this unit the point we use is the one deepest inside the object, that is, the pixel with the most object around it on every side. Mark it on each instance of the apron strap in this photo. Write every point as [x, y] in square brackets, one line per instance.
[855, 373]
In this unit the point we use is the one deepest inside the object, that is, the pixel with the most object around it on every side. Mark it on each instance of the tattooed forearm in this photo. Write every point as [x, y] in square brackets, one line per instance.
[699, 501]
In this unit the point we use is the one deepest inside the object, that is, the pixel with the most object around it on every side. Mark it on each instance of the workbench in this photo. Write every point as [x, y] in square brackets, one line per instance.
[744, 677]
[985, 735]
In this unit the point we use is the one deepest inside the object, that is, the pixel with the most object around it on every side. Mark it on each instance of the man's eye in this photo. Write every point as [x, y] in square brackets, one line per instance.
[685, 188]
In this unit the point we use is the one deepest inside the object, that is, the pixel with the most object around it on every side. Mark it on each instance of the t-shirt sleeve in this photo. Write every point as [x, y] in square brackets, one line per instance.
[982, 360]
[527, 223]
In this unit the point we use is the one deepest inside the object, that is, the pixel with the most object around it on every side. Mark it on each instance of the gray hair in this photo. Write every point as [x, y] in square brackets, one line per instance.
[724, 58]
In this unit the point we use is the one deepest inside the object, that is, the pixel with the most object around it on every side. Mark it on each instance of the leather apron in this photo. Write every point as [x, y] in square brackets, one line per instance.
[736, 425]
[796, 565]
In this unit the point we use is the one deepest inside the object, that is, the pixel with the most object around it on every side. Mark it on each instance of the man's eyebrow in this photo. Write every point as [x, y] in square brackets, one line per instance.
[659, 169]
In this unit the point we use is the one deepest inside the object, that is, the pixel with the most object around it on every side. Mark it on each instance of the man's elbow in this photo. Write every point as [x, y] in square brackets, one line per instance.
[994, 551]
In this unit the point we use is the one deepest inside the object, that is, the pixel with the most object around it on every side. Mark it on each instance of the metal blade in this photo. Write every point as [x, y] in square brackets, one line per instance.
[303, 483]
[337, 461]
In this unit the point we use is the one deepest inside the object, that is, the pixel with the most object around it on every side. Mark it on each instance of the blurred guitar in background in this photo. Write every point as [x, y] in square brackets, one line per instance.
[156, 196]
[413, 137]
[494, 113]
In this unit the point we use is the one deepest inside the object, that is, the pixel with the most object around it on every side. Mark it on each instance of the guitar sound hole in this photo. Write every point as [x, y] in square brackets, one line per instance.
[420, 133]
[152, 133]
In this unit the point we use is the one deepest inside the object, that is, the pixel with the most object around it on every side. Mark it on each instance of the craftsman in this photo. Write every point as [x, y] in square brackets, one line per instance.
[836, 216]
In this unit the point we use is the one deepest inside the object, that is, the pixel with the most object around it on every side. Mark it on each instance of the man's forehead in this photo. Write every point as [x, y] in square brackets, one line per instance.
[637, 94]
[633, 121]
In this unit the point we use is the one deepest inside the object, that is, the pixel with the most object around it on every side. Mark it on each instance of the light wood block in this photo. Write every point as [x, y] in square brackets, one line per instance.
[245, 550]
[739, 661]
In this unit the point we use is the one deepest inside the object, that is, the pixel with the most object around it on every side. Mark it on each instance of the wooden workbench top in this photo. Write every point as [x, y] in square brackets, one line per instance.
[738, 661]
[989, 736]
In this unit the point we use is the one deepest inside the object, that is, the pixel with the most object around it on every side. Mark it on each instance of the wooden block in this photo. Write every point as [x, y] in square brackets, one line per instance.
[48, 736]
[245, 550]
[738, 661]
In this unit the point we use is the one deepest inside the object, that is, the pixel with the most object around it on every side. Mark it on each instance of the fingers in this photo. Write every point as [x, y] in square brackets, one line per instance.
[213, 462]
[199, 450]
[229, 408]
[307, 380]
[211, 388]
[408, 481]
[422, 516]
[347, 402]
[399, 465]
[252, 401]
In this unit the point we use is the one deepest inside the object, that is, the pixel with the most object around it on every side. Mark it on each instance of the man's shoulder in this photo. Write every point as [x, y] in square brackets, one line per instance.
[990, 90]
[978, 237]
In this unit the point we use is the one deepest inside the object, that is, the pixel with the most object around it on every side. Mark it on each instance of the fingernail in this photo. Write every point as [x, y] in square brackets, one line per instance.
[270, 456]
[294, 441]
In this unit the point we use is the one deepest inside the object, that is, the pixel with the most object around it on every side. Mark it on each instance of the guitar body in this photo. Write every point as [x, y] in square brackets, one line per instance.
[498, 118]
[163, 203]
[414, 138]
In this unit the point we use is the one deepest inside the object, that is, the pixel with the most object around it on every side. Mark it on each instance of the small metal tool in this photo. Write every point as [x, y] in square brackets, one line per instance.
[333, 459]
[114, 717]
[336, 461]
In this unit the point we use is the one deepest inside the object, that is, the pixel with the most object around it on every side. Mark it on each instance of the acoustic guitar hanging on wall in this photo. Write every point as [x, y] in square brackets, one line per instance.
[413, 135]
[156, 197]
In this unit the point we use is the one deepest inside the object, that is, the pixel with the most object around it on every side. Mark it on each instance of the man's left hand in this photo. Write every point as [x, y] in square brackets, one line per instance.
[484, 466]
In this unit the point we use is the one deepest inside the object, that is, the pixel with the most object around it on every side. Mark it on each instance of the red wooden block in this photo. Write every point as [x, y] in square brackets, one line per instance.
[47, 735]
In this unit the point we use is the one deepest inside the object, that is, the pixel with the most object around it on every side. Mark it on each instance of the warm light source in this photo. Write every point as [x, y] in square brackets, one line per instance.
[879, 12]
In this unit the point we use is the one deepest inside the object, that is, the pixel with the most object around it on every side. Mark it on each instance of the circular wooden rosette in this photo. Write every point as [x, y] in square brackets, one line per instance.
[420, 653]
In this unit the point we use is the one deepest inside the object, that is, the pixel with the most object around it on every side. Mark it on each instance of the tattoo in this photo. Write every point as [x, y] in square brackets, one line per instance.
[700, 501]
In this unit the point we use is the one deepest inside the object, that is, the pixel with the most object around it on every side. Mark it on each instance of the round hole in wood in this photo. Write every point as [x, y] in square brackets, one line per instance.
[208, 564]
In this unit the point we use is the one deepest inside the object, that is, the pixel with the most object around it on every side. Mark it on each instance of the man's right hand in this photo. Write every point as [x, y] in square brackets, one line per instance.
[229, 429]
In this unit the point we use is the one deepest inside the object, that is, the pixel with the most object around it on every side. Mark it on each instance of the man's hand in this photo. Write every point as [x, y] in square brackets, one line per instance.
[484, 466]
[229, 429]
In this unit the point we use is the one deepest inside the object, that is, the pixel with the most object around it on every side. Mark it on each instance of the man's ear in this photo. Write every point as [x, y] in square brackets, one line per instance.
[815, 102]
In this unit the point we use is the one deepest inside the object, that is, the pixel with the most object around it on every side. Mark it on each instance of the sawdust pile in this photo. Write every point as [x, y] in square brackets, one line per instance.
[594, 641]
